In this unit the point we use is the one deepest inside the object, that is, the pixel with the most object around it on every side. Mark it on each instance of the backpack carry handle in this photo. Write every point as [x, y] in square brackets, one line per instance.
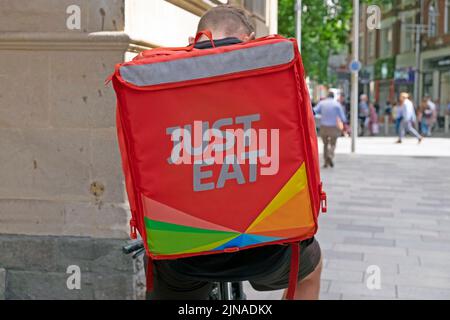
[199, 34]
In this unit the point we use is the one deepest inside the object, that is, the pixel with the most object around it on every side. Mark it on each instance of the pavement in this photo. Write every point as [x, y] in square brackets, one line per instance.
[387, 232]
[430, 147]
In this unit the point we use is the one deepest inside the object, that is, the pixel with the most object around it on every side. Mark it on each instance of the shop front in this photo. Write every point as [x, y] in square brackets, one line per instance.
[384, 81]
[436, 81]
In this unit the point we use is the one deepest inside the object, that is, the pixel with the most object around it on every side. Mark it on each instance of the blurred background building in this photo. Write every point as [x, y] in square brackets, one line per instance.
[62, 198]
[389, 55]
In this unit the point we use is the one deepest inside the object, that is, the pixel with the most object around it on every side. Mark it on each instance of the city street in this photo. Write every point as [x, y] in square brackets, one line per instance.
[389, 206]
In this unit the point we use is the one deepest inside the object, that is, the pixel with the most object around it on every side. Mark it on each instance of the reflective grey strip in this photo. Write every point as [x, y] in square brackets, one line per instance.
[210, 65]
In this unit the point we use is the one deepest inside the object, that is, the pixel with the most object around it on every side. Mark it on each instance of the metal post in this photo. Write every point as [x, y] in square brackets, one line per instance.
[355, 79]
[386, 125]
[446, 123]
[225, 290]
[418, 44]
[298, 23]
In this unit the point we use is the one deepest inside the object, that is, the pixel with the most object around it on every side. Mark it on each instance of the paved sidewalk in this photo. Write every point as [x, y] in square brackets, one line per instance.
[388, 211]
[437, 147]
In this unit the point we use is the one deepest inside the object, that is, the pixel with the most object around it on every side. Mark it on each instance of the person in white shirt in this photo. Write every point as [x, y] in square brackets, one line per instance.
[408, 118]
[433, 116]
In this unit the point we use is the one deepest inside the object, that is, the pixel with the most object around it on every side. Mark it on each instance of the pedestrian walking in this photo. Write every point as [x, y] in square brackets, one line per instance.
[373, 120]
[408, 114]
[430, 115]
[345, 128]
[332, 116]
[363, 112]
[397, 114]
[425, 117]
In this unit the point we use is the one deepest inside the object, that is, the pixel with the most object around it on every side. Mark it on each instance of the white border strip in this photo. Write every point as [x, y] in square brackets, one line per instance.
[209, 65]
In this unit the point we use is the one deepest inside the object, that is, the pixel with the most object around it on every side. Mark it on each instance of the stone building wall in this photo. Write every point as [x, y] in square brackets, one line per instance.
[62, 199]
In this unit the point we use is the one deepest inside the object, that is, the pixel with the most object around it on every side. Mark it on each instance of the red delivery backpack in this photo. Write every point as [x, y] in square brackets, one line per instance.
[219, 149]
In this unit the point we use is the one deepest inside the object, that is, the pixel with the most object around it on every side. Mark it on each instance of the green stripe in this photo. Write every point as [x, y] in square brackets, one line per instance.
[159, 225]
[167, 238]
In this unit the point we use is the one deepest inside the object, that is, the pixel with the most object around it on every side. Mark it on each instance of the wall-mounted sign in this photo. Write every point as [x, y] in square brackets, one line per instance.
[405, 75]
[444, 62]
[441, 63]
[355, 66]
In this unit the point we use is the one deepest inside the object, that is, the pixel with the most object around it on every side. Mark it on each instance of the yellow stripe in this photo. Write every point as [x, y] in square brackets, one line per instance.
[295, 184]
[209, 246]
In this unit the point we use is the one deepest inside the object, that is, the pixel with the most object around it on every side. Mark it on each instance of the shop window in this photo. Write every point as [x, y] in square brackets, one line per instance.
[433, 19]
[372, 43]
[407, 35]
[406, 3]
[361, 47]
[444, 90]
[386, 42]
[428, 84]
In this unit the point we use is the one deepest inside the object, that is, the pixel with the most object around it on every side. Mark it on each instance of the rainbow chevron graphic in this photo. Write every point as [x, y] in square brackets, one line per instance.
[173, 232]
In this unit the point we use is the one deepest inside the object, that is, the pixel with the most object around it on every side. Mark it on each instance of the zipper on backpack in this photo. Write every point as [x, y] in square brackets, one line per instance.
[133, 233]
[323, 199]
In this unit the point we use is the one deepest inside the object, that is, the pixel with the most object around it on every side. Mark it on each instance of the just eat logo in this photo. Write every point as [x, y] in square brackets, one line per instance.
[203, 145]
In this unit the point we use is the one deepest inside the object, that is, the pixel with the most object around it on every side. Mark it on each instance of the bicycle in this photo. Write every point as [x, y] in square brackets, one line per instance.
[220, 290]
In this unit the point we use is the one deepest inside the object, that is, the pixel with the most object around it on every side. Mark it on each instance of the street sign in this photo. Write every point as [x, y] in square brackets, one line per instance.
[355, 66]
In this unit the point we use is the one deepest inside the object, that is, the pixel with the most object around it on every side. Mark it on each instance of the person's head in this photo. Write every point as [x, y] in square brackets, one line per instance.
[227, 21]
[363, 98]
[330, 95]
[403, 96]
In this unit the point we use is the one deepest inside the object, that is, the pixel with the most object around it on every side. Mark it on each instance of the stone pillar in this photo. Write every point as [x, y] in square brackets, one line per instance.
[62, 199]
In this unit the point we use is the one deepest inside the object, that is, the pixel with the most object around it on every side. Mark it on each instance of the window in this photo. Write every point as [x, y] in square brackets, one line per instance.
[432, 19]
[428, 83]
[406, 3]
[257, 7]
[407, 35]
[444, 92]
[361, 47]
[372, 43]
[386, 42]
[387, 7]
